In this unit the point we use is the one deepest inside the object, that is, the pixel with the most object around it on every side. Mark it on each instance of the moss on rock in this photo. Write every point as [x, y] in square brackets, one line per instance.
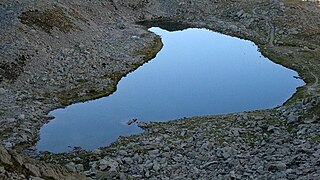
[48, 19]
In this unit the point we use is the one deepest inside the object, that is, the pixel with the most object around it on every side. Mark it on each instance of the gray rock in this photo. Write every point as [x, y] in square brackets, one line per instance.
[235, 132]
[22, 116]
[2, 170]
[137, 158]
[138, 176]
[80, 167]
[208, 164]
[71, 167]
[147, 174]
[258, 117]
[122, 152]
[227, 152]
[2, 91]
[156, 167]
[10, 120]
[127, 160]
[131, 121]
[292, 118]
[148, 165]
[317, 154]
[8, 145]
[34, 169]
[240, 13]
[5, 157]
[108, 164]
[154, 152]
[277, 166]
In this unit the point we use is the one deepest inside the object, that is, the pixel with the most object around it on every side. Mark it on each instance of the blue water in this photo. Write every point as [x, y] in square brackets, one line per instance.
[198, 72]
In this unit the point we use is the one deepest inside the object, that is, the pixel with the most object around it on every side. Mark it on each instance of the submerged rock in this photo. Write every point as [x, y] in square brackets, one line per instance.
[132, 121]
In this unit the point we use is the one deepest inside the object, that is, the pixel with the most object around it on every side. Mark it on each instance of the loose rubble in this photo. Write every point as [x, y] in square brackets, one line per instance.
[49, 64]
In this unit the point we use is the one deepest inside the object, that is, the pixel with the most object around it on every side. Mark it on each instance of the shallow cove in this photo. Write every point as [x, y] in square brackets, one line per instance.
[198, 72]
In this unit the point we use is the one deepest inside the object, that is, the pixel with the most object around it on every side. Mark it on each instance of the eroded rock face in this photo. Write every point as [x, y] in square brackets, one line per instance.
[15, 166]
[54, 53]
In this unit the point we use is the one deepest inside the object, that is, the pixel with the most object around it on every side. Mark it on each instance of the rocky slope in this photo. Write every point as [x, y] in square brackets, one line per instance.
[14, 166]
[54, 53]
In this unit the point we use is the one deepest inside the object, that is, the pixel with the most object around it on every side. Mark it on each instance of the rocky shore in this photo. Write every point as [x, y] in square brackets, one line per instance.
[54, 53]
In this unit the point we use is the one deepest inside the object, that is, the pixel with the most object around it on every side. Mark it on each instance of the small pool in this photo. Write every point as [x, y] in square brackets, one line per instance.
[198, 72]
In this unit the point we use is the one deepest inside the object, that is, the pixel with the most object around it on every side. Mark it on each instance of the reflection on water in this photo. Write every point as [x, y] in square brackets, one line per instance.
[198, 72]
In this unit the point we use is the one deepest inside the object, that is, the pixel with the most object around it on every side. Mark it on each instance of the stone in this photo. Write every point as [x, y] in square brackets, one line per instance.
[208, 164]
[2, 170]
[235, 132]
[317, 153]
[227, 152]
[292, 119]
[22, 117]
[33, 169]
[8, 145]
[71, 167]
[127, 160]
[294, 31]
[2, 91]
[277, 166]
[138, 176]
[156, 167]
[11, 120]
[154, 152]
[258, 117]
[80, 167]
[137, 158]
[233, 174]
[147, 174]
[5, 157]
[108, 164]
[123, 153]
[131, 121]
[240, 13]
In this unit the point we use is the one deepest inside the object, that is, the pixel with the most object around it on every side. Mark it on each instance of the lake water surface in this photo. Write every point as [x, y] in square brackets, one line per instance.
[198, 72]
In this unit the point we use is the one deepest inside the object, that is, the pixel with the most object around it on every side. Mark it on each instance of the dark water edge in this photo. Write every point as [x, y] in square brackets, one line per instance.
[198, 72]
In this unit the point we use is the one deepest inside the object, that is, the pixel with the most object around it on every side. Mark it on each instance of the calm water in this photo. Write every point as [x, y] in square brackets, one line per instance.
[198, 72]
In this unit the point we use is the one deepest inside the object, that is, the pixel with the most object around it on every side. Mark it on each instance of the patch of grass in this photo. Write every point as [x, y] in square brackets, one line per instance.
[76, 95]
[115, 76]
[64, 158]
[68, 97]
[79, 17]
[151, 51]
[316, 109]
[315, 139]
[12, 71]
[48, 19]
[46, 95]
[288, 62]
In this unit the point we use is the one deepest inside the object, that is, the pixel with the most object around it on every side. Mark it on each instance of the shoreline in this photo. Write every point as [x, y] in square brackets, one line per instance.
[173, 24]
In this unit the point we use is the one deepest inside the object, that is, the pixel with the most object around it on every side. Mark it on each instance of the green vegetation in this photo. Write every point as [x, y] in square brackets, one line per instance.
[151, 51]
[79, 17]
[48, 19]
[68, 97]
